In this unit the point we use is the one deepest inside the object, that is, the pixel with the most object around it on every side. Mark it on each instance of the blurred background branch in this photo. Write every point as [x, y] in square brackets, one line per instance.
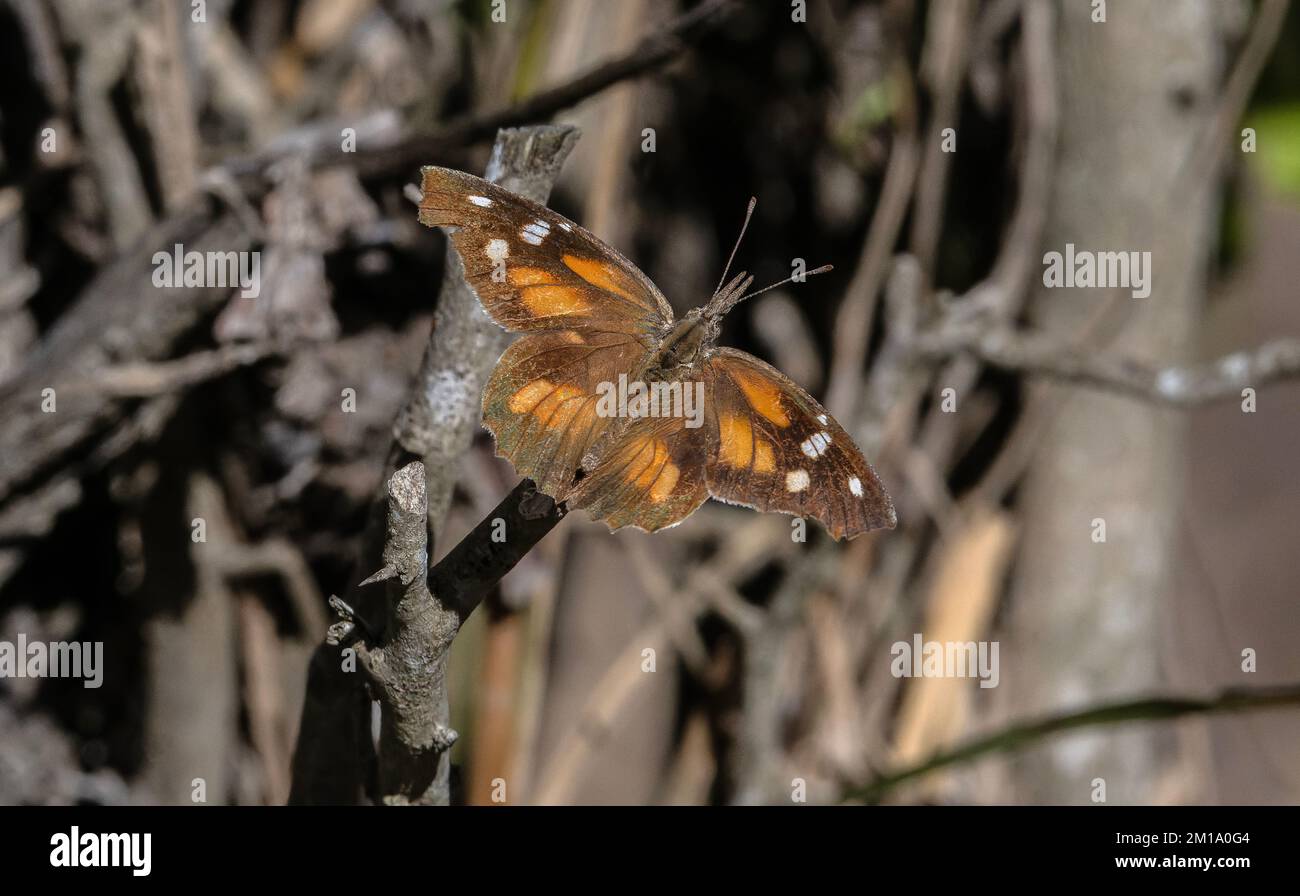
[1176, 385]
[1019, 736]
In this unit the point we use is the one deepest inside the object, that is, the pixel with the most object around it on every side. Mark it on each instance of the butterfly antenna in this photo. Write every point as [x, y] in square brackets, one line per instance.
[821, 270]
[749, 213]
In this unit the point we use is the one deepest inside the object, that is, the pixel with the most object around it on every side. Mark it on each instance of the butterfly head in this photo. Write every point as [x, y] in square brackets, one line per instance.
[699, 328]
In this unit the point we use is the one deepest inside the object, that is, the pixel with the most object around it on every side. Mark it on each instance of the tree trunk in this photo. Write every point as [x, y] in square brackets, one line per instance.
[1136, 97]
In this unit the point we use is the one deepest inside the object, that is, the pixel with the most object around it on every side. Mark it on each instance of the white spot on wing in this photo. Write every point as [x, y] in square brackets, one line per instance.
[497, 250]
[565, 227]
[796, 480]
[816, 446]
[821, 418]
[855, 486]
[481, 201]
[535, 232]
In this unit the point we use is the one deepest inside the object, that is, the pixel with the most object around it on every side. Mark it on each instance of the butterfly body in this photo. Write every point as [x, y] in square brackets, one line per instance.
[697, 420]
[687, 339]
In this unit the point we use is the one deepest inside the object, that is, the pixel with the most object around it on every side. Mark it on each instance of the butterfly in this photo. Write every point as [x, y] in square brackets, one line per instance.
[591, 322]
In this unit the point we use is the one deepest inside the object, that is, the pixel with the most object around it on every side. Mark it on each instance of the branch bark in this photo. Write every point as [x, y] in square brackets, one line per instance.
[443, 412]
[436, 427]
[408, 673]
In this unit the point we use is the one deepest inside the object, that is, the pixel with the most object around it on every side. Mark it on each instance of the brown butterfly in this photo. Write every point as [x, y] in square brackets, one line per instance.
[591, 320]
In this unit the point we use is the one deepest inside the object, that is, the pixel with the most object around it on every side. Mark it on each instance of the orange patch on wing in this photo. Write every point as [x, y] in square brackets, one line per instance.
[764, 397]
[664, 485]
[572, 337]
[527, 398]
[560, 407]
[764, 457]
[526, 276]
[735, 441]
[659, 475]
[644, 476]
[600, 274]
[551, 300]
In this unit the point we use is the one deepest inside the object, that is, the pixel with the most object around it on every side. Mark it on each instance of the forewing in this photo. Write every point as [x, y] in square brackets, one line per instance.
[541, 401]
[534, 269]
[652, 477]
[772, 447]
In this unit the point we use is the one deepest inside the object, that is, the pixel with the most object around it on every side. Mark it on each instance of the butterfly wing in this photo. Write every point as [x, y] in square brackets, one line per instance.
[651, 477]
[535, 270]
[772, 447]
[541, 401]
[586, 311]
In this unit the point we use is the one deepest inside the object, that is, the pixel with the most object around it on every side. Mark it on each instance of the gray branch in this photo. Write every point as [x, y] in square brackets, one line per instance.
[1176, 385]
[436, 428]
[443, 412]
[408, 673]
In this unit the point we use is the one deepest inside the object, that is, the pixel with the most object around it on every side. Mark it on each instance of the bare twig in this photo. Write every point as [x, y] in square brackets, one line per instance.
[652, 52]
[425, 612]
[1209, 151]
[1039, 408]
[143, 380]
[943, 69]
[1178, 385]
[759, 753]
[165, 97]
[853, 322]
[408, 672]
[1002, 293]
[443, 411]
[1025, 734]
[898, 382]
[436, 427]
[478, 561]
[857, 311]
[103, 33]
[746, 550]
[1004, 289]
[120, 318]
[780, 324]
[396, 152]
